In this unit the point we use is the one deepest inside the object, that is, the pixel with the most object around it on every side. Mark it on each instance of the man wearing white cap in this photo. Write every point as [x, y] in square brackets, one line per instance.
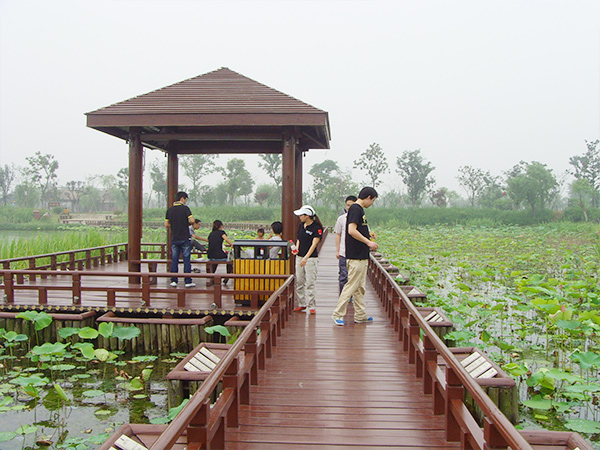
[307, 261]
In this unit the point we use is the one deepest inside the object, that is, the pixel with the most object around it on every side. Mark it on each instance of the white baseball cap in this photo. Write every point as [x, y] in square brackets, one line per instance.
[305, 209]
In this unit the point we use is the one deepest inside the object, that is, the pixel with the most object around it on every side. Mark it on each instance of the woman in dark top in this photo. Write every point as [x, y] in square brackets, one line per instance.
[216, 239]
[307, 261]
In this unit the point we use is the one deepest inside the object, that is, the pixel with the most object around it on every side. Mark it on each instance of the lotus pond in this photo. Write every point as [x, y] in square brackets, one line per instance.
[73, 395]
[528, 296]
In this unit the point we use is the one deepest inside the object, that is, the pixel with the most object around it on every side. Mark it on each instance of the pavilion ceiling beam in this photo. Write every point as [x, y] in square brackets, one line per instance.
[213, 136]
[226, 147]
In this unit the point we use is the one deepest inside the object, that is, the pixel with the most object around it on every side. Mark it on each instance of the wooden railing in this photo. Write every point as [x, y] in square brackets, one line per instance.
[205, 425]
[14, 281]
[497, 432]
[425, 348]
[70, 259]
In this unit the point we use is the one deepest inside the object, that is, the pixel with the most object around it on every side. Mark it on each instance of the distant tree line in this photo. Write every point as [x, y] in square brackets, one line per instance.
[530, 186]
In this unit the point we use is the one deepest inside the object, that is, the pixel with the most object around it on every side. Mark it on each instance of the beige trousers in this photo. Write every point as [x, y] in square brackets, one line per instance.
[306, 278]
[355, 288]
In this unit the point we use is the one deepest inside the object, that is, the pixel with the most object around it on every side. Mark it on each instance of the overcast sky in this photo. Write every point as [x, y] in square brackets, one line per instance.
[480, 83]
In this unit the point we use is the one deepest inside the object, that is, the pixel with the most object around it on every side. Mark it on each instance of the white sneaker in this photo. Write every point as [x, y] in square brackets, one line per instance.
[190, 285]
[173, 283]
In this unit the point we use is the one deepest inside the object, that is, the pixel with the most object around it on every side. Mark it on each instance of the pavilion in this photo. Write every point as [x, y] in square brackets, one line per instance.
[218, 112]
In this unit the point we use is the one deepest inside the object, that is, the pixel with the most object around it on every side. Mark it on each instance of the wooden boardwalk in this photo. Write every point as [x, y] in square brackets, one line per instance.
[332, 387]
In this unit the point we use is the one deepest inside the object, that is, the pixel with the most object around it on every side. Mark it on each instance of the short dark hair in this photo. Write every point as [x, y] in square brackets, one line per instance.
[180, 195]
[261, 230]
[197, 221]
[351, 197]
[367, 192]
[277, 227]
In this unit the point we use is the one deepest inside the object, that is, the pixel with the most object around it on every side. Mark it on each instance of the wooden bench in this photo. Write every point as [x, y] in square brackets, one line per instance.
[413, 292]
[124, 442]
[496, 383]
[187, 376]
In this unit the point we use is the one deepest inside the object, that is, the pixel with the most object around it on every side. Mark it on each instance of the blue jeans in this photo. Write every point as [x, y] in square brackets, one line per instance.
[185, 249]
[342, 272]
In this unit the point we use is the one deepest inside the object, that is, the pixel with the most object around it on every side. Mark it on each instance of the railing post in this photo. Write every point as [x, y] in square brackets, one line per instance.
[429, 355]
[9, 290]
[413, 330]
[146, 289]
[492, 436]
[217, 291]
[111, 298]
[265, 334]
[88, 259]
[32, 276]
[251, 350]
[180, 299]
[230, 380]
[454, 391]
[76, 277]
[53, 262]
[43, 296]
[72, 261]
[102, 256]
[197, 430]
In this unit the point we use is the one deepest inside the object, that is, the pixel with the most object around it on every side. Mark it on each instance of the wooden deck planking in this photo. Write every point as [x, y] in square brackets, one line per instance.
[331, 387]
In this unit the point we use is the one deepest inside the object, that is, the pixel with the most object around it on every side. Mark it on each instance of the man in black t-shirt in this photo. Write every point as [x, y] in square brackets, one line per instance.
[178, 220]
[358, 247]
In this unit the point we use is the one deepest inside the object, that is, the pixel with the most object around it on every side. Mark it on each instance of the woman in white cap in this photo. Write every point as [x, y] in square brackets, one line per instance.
[307, 261]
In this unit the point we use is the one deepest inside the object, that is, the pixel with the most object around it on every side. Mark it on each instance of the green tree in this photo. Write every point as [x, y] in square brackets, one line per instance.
[26, 194]
[374, 162]
[532, 183]
[7, 178]
[74, 191]
[158, 177]
[123, 186]
[267, 194]
[196, 167]
[587, 167]
[415, 171]
[238, 180]
[271, 163]
[323, 174]
[473, 181]
[41, 171]
[340, 186]
[439, 197]
[583, 191]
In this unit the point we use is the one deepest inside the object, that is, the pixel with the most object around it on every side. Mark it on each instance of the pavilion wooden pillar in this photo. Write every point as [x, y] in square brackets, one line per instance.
[172, 187]
[298, 180]
[134, 212]
[288, 185]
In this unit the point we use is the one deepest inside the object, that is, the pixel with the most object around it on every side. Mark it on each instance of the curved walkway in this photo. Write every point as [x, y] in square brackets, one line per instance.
[332, 387]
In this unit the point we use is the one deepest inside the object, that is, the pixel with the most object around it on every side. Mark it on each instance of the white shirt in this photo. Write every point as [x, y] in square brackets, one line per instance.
[274, 252]
[340, 228]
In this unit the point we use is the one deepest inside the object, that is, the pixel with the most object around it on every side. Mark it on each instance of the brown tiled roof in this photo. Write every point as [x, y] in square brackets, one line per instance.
[222, 91]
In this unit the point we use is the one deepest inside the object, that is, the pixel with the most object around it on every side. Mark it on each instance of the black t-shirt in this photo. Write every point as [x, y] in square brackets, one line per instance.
[356, 249]
[306, 236]
[215, 245]
[178, 216]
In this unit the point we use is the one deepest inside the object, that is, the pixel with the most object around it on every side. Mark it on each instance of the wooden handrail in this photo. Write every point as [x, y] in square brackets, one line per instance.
[176, 428]
[496, 422]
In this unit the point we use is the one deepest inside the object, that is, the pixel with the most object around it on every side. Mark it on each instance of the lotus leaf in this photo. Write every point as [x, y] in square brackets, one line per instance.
[6, 436]
[92, 393]
[174, 411]
[26, 429]
[124, 333]
[587, 360]
[61, 393]
[135, 384]
[583, 426]
[47, 349]
[63, 367]
[538, 402]
[88, 333]
[67, 332]
[106, 329]
[34, 380]
[223, 331]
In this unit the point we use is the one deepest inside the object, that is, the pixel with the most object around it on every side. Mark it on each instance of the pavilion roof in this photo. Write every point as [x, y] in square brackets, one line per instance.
[220, 111]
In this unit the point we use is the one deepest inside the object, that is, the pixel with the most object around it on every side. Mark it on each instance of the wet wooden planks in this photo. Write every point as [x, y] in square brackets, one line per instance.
[331, 387]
